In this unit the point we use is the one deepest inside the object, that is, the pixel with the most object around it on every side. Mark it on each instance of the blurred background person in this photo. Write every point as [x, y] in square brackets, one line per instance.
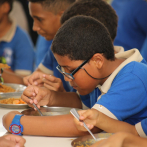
[132, 24]
[16, 48]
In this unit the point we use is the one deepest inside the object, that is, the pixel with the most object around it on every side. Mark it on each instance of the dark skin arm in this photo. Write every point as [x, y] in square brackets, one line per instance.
[43, 96]
[62, 125]
[11, 77]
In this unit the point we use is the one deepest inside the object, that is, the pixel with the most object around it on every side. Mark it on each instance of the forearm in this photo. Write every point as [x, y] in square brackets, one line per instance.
[111, 125]
[66, 99]
[62, 125]
[10, 77]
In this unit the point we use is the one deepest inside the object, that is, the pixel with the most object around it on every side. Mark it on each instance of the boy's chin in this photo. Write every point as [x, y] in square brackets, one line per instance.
[81, 92]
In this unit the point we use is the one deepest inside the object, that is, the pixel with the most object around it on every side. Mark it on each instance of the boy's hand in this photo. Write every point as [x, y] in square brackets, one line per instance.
[12, 141]
[34, 79]
[7, 119]
[38, 78]
[39, 95]
[53, 83]
[89, 116]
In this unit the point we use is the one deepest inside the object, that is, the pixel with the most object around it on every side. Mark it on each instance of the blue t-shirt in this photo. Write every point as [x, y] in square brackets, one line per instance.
[132, 23]
[127, 97]
[19, 52]
[42, 47]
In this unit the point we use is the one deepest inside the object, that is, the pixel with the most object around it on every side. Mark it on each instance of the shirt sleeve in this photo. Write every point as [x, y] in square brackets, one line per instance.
[126, 97]
[141, 128]
[23, 54]
[47, 65]
[42, 47]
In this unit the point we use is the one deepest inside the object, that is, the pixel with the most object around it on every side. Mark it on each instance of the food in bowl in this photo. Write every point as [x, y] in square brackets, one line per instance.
[12, 101]
[4, 65]
[5, 89]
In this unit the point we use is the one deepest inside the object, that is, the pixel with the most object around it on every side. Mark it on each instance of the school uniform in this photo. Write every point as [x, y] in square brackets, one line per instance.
[123, 95]
[16, 49]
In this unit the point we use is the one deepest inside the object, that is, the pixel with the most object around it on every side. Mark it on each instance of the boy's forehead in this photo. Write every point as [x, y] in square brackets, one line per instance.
[37, 8]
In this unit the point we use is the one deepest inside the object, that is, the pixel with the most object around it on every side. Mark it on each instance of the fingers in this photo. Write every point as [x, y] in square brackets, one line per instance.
[18, 140]
[28, 93]
[6, 143]
[53, 83]
[34, 79]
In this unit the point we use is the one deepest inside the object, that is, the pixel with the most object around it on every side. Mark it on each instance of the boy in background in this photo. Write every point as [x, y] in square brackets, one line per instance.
[16, 48]
[91, 67]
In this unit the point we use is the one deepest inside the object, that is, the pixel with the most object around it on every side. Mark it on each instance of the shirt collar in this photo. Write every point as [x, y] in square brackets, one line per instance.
[130, 55]
[118, 49]
[10, 34]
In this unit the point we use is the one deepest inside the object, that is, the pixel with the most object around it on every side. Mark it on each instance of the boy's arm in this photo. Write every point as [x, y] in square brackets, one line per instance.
[111, 125]
[10, 77]
[93, 117]
[43, 96]
[62, 125]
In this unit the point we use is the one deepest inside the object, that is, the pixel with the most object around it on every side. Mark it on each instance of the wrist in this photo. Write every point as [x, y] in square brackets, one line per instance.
[15, 126]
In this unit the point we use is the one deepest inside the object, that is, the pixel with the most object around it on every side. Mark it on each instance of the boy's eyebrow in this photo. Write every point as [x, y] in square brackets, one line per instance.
[36, 17]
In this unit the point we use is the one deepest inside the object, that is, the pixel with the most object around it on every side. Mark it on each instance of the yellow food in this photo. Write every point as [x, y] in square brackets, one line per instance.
[12, 101]
[4, 65]
[5, 89]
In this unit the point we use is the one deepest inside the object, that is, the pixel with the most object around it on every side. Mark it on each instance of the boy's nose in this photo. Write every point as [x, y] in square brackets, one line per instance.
[67, 79]
[35, 27]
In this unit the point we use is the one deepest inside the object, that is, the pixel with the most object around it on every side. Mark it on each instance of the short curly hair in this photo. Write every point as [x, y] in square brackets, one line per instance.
[98, 9]
[81, 37]
[10, 2]
[54, 5]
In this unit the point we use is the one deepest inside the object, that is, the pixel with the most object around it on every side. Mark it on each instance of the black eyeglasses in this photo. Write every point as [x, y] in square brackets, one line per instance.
[70, 76]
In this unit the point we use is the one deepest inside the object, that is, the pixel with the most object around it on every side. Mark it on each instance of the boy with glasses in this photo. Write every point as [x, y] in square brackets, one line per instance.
[116, 83]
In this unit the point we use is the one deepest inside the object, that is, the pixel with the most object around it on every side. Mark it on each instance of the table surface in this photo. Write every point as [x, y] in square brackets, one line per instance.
[36, 141]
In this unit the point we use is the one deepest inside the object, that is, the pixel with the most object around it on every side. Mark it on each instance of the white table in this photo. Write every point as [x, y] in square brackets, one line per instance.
[37, 141]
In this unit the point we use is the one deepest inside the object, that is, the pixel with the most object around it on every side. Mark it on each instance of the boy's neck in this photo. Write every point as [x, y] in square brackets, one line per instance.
[110, 67]
[5, 25]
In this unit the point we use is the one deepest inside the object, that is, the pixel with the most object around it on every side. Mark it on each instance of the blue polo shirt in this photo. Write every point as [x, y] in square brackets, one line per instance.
[18, 52]
[125, 98]
[132, 23]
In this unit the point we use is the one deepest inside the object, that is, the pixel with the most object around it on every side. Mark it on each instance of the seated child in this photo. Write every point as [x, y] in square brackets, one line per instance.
[116, 83]
[16, 48]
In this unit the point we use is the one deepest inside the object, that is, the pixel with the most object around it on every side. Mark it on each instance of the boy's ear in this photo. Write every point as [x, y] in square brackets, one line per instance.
[98, 60]
[5, 8]
[60, 13]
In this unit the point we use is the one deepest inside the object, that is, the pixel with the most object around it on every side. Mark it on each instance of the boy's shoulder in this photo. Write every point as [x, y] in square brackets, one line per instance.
[20, 34]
